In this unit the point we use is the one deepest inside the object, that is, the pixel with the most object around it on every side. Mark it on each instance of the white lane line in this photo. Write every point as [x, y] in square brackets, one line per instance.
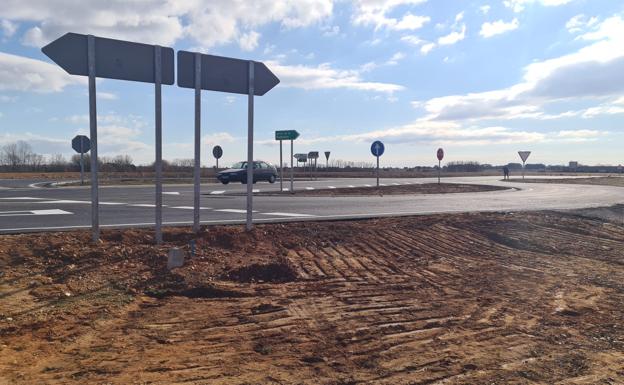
[288, 214]
[171, 193]
[236, 211]
[285, 189]
[255, 191]
[309, 188]
[144, 205]
[33, 212]
[331, 187]
[24, 199]
[382, 184]
[367, 185]
[217, 192]
[65, 201]
[111, 203]
[395, 184]
[189, 208]
[351, 186]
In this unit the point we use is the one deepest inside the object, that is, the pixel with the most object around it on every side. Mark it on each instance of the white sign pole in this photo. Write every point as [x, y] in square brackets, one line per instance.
[250, 169]
[197, 168]
[158, 128]
[95, 219]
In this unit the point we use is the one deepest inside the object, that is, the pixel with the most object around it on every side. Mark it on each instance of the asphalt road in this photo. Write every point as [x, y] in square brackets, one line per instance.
[24, 209]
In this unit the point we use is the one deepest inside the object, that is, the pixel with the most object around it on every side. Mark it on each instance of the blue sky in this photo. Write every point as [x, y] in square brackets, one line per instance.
[483, 79]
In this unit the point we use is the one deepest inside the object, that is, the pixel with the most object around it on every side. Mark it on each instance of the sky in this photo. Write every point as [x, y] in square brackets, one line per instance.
[482, 79]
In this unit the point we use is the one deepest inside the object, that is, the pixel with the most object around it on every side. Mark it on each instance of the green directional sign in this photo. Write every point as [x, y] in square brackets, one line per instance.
[286, 135]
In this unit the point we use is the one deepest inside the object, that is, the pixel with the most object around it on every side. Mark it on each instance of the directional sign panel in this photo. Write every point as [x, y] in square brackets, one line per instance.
[377, 148]
[81, 144]
[440, 154]
[286, 135]
[217, 152]
[224, 74]
[301, 157]
[524, 155]
[115, 59]
[313, 155]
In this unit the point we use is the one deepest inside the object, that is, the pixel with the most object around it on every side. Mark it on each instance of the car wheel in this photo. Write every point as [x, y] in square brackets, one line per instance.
[244, 181]
[225, 181]
[272, 179]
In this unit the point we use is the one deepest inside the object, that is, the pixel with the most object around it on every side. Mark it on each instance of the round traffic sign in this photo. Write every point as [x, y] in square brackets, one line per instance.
[440, 154]
[217, 152]
[377, 148]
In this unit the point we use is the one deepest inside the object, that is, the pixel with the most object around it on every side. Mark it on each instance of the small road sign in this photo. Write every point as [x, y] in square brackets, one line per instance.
[377, 148]
[217, 152]
[313, 155]
[116, 59]
[224, 74]
[301, 157]
[286, 135]
[524, 155]
[327, 155]
[440, 154]
[81, 144]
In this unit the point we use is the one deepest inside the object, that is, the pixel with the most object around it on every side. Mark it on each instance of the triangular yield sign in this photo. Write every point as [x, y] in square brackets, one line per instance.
[524, 155]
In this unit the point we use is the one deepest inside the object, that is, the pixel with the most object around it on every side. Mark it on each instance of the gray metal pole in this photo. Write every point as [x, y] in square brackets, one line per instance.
[81, 162]
[292, 168]
[439, 163]
[95, 217]
[250, 170]
[197, 169]
[522, 169]
[377, 171]
[281, 169]
[158, 124]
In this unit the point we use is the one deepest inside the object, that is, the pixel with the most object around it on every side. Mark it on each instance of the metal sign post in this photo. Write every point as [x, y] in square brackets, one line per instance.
[313, 156]
[281, 169]
[197, 139]
[524, 155]
[377, 149]
[286, 135]
[327, 160]
[158, 134]
[226, 74]
[81, 144]
[292, 169]
[440, 156]
[97, 57]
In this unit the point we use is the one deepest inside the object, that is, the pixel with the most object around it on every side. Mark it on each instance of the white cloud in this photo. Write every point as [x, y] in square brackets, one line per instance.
[412, 39]
[426, 48]
[593, 73]
[375, 13]
[396, 58]
[519, 5]
[459, 17]
[324, 76]
[249, 41]
[162, 22]
[485, 9]
[106, 95]
[329, 31]
[498, 27]
[18, 73]
[8, 28]
[580, 23]
[453, 37]
[580, 135]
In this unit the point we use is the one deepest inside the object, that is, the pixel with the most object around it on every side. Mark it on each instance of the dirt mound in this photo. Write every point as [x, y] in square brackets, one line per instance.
[196, 292]
[281, 271]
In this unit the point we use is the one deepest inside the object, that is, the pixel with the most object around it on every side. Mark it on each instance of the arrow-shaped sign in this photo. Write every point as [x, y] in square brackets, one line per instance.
[224, 74]
[115, 59]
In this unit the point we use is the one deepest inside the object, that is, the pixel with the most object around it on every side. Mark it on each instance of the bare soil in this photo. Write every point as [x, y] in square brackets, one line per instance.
[424, 188]
[602, 181]
[493, 298]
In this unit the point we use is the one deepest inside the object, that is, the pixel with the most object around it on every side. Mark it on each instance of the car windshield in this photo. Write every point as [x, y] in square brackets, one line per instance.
[240, 165]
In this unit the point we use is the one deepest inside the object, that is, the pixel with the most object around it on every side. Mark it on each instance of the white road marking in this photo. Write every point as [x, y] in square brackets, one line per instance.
[171, 193]
[144, 205]
[190, 208]
[33, 212]
[289, 214]
[309, 188]
[24, 199]
[112, 203]
[367, 185]
[236, 211]
[217, 192]
[351, 186]
[395, 184]
[382, 184]
[285, 189]
[65, 201]
[331, 187]
[255, 191]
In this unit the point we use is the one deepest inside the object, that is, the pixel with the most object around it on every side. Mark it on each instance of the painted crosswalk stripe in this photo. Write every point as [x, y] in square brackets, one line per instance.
[217, 192]
[288, 214]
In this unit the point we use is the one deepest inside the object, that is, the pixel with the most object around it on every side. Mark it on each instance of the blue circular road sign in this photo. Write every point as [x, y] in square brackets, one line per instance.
[377, 148]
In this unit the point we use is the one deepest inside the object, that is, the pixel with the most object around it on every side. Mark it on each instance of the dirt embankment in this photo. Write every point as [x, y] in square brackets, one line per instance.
[424, 188]
[446, 299]
[602, 181]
